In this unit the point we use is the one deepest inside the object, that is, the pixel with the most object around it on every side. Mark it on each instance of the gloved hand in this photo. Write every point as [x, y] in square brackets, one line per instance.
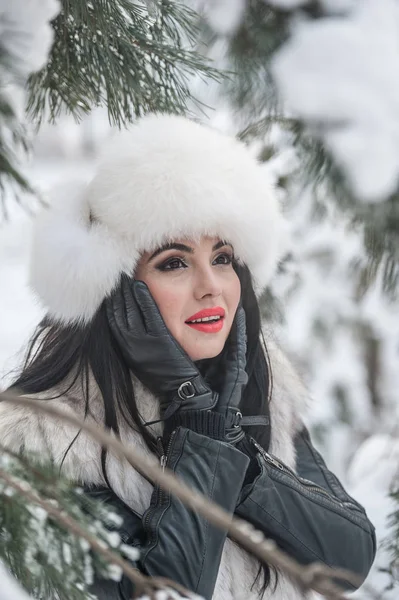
[152, 353]
[235, 378]
[162, 365]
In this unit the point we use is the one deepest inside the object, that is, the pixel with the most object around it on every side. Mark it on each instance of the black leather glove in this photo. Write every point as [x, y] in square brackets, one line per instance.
[162, 365]
[152, 353]
[235, 378]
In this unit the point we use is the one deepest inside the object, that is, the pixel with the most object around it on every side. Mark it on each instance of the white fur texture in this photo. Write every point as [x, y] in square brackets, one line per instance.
[21, 430]
[166, 178]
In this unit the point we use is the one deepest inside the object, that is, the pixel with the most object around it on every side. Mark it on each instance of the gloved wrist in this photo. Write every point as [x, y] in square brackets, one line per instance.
[190, 396]
[233, 432]
[204, 422]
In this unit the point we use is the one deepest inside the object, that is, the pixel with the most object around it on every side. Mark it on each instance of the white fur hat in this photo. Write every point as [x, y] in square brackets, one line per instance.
[166, 178]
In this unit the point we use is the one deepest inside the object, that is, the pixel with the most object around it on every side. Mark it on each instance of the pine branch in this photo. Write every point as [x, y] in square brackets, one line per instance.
[42, 554]
[118, 55]
[316, 576]
[25, 38]
[71, 525]
[249, 87]
[12, 141]
[251, 92]
[378, 224]
[143, 584]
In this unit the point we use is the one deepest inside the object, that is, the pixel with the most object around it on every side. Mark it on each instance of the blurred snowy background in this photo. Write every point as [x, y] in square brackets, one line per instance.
[335, 75]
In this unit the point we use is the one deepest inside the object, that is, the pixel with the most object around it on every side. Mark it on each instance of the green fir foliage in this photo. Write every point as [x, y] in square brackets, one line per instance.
[12, 135]
[131, 57]
[253, 97]
[46, 557]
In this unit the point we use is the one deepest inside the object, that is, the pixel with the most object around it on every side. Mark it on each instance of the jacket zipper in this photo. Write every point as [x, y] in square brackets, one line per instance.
[163, 461]
[165, 455]
[272, 460]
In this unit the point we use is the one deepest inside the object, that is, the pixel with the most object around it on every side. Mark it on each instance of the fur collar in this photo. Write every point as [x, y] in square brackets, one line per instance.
[28, 432]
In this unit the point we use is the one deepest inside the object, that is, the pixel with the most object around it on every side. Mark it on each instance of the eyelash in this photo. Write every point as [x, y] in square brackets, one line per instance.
[166, 266]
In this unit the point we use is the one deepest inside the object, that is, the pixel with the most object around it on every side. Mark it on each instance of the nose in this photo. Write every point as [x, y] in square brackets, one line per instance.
[207, 283]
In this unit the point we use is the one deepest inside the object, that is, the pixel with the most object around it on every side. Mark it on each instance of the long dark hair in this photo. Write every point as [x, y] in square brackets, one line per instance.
[70, 353]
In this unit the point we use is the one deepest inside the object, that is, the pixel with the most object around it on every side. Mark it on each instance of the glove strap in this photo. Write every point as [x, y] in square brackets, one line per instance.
[255, 420]
[235, 419]
[187, 391]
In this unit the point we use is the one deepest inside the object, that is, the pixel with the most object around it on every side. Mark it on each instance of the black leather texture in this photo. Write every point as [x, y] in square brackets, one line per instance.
[308, 513]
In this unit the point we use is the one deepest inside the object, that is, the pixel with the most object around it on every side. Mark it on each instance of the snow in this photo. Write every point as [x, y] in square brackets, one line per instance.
[336, 74]
[224, 16]
[25, 32]
[373, 468]
[328, 5]
[9, 589]
[131, 553]
[114, 572]
[317, 286]
[287, 4]
[338, 6]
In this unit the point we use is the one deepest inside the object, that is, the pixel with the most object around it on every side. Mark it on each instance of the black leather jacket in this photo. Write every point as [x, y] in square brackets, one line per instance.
[308, 513]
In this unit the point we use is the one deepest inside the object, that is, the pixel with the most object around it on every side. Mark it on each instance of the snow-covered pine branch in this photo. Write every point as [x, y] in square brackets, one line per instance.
[26, 37]
[316, 576]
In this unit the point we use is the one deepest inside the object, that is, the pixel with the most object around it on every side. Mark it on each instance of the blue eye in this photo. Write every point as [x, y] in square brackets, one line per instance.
[172, 264]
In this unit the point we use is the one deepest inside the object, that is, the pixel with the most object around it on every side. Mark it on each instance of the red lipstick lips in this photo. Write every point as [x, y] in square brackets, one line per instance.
[209, 320]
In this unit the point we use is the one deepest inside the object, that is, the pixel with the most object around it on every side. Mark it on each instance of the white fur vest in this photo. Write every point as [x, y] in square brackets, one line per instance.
[22, 430]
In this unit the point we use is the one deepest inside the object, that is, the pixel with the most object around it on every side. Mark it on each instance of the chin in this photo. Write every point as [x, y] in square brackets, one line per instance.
[207, 351]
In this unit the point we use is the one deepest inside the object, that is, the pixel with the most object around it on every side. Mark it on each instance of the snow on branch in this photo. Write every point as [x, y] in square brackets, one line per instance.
[337, 73]
[141, 582]
[315, 576]
[26, 37]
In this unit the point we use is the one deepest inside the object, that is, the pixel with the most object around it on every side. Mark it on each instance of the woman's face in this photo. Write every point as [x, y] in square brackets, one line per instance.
[193, 281]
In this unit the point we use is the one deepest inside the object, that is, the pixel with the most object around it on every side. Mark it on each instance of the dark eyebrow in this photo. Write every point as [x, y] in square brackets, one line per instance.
[171, 246]
[184, 248]
[220, 245]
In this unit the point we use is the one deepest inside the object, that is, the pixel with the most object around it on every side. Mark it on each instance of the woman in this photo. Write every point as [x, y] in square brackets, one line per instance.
[150, 279]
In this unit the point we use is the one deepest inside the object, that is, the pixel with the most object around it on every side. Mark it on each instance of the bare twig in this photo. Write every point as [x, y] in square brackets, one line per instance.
[142, 582]
[315, 576]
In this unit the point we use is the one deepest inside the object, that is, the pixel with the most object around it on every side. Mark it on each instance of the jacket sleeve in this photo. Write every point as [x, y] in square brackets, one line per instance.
[308, 512]
[173, 540]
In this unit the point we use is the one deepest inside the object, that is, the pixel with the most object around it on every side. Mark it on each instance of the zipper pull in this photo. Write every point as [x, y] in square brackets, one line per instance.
[268, 458]
[273, 461]
[160, 447]
[161, 452]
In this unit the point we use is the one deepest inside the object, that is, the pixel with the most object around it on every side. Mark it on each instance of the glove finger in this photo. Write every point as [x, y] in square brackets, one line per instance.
[237, 343]
[153, 321]
[241, 338]
[235, 363]
[115, 309]
[134, 318]
[155, 326]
